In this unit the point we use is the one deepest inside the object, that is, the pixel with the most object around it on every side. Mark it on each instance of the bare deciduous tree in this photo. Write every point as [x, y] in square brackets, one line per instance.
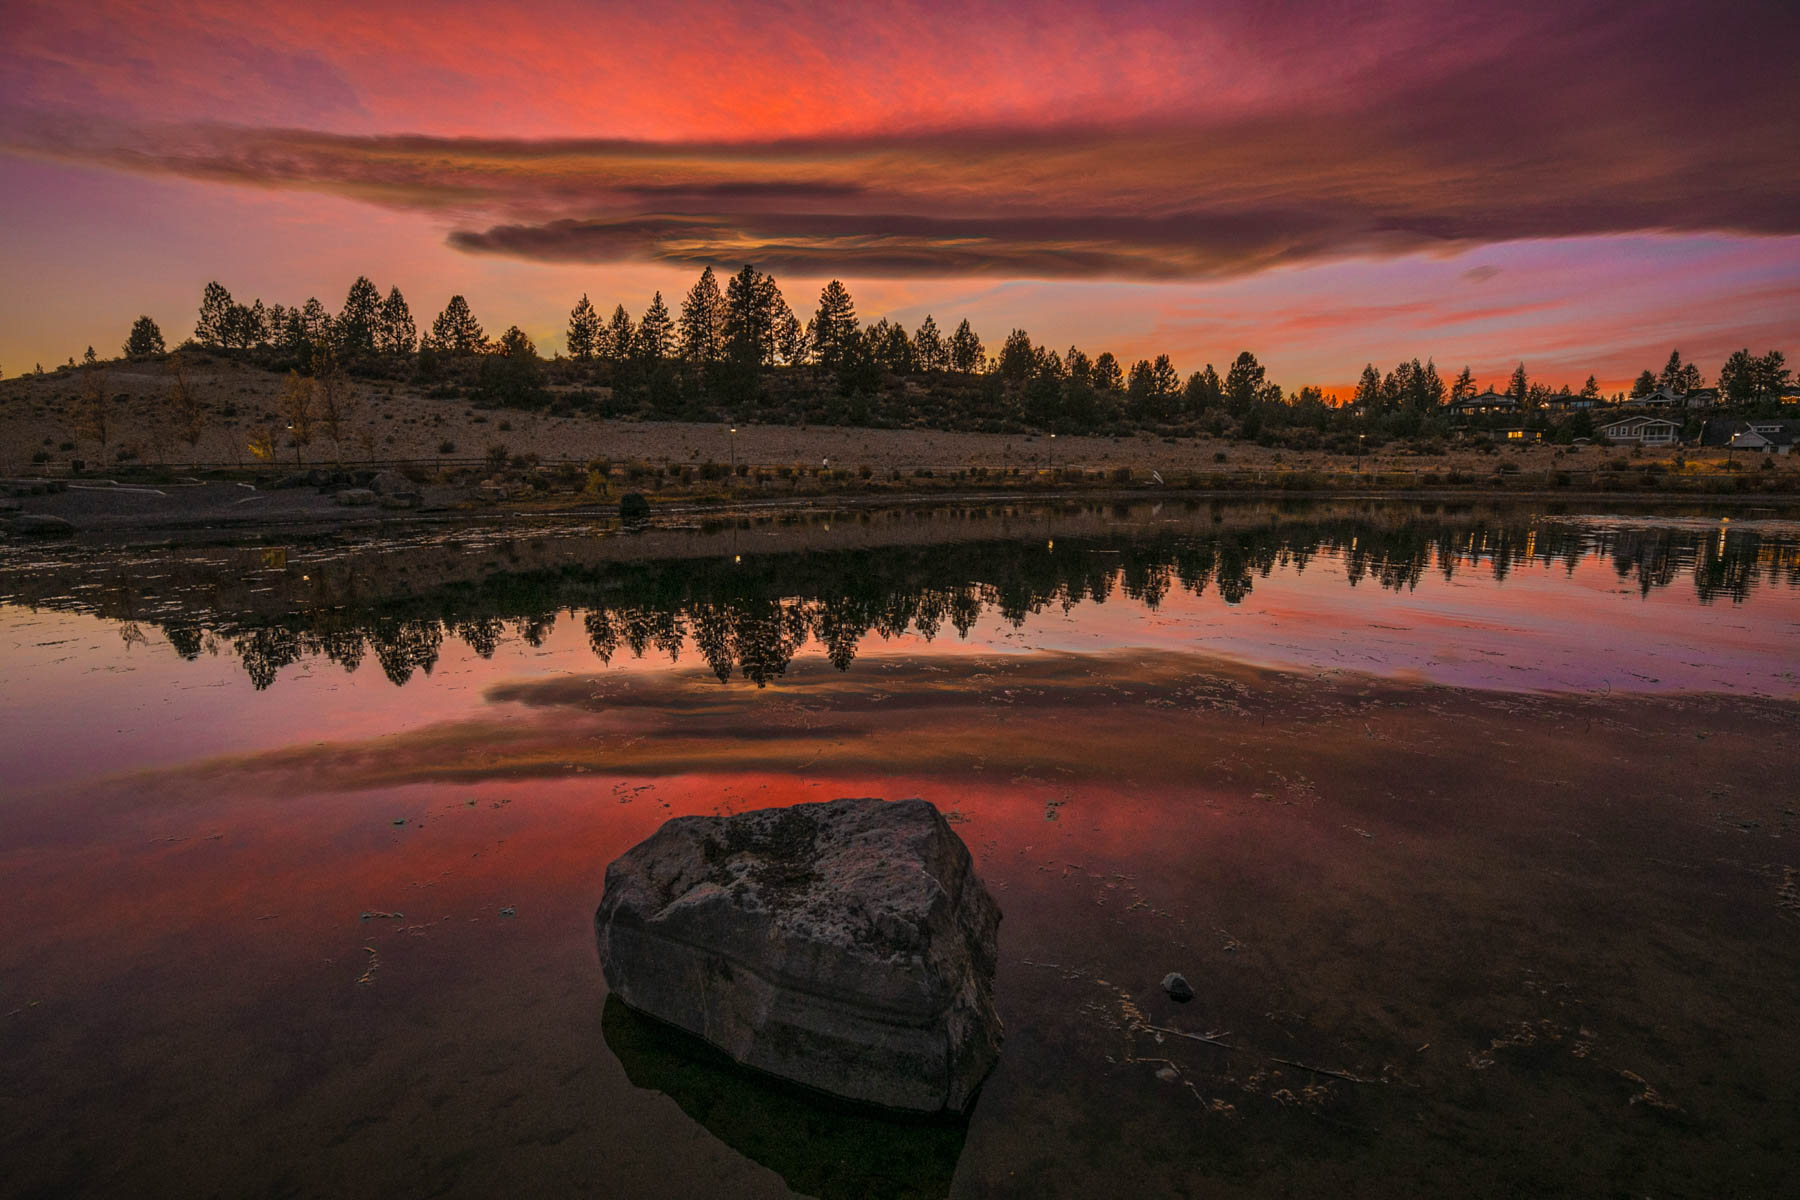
[297, 409]
[185, 409]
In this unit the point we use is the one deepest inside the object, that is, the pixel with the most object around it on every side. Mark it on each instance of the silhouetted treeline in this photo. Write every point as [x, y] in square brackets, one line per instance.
[739, 352]
[749, 619]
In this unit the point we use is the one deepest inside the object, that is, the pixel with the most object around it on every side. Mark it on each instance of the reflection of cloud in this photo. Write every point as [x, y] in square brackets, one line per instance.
[1480, 274]
[922, 716]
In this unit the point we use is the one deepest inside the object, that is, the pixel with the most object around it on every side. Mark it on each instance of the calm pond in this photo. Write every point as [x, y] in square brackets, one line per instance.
[1475, 828]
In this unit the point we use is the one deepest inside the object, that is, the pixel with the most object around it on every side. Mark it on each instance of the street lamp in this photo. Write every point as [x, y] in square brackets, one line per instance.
[733, 441]
[1053, 455]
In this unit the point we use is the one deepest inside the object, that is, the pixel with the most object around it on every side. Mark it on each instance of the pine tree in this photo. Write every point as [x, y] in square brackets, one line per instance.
[656, 332]
[584, 331]
[790, 338]
[1591, 389]
[214, 325]
[398, 335]
[1368, 395]
[1519, 387]
[358, 320]
[1677, 376]
[1107, 376]
[1464, 387]
[456, 331]
[1737, 378]
[1246, 385]
[703, 321]
[146, 340]
[753, 311]
[832, 325]
[619, 340]
[928, 346]
[967, 354]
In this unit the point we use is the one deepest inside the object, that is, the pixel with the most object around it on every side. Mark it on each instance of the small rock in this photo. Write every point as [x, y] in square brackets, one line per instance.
[509, 911]
[1179, 989]
[356, 497]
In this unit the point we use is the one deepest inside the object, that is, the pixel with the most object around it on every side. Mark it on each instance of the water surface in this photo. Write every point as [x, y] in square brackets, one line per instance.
[1472, 826]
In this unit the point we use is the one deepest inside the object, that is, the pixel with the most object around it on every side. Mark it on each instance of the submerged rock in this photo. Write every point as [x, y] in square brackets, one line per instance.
[1179, 989]
[847, 946]
[42, 525]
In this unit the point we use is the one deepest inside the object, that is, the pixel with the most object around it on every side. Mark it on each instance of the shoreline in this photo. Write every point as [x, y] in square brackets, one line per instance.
[90, 515]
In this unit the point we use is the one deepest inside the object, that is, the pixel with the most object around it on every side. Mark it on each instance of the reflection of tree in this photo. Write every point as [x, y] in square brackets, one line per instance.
[401, 647]
[185, 639]
[751, 618]
[482, 634]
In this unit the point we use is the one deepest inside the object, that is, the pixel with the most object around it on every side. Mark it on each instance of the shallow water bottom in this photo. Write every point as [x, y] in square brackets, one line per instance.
[1446, 942]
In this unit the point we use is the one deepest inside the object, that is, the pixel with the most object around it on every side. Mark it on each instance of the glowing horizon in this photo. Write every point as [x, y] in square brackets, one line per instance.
[1139, 178]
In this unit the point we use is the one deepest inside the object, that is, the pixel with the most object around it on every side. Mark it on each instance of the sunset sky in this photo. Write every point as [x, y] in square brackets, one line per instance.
[1578, 184]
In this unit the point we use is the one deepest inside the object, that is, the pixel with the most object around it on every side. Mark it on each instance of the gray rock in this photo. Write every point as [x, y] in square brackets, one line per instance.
[1179, 989]
[847, 946]
[356, 497]
[41, 525]
[388, 483]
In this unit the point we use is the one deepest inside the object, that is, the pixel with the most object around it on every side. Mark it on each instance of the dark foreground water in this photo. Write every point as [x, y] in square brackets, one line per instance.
[1477, 831]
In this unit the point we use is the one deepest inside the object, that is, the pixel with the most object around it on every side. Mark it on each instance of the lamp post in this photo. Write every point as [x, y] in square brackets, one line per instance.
[733, 442]
[1053, 456]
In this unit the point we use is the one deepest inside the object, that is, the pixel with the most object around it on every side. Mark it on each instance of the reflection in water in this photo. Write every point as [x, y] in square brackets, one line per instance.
[749, 615]
[819, 1146]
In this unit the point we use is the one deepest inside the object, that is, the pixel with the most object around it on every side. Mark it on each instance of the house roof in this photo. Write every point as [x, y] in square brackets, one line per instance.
[1775, 433]
[1642, 421]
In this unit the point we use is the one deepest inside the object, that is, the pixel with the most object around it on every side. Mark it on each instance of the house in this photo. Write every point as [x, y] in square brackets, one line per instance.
[1759, 437]
[1566, 403]
[1664, 397]
[1645, 431]
[1489, 401]
[1516, 434]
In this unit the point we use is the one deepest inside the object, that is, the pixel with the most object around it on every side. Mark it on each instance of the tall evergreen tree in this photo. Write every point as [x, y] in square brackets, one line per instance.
[833, 323]
[1464, 387]
[1108, 376]
[584, 331]
[928, 346]
[1519, 387]
[214, 325]
[1643, 385]
[753, 311]
[359, 319]
[967, 354]
[1368, 395]
[1246, 385]
[790, 338]
[398, 335]
[656, 332]
[1205, 391]
[1018, 358]
[146, 340]
[456, 331]
[703, 321]
[619, 341]
[1677, 376]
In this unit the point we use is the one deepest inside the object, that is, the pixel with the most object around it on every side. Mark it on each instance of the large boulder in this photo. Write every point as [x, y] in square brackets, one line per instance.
[847, 946]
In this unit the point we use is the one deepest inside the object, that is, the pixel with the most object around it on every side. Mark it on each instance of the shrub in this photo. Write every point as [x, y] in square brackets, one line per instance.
[446, 447]
[633, 507]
